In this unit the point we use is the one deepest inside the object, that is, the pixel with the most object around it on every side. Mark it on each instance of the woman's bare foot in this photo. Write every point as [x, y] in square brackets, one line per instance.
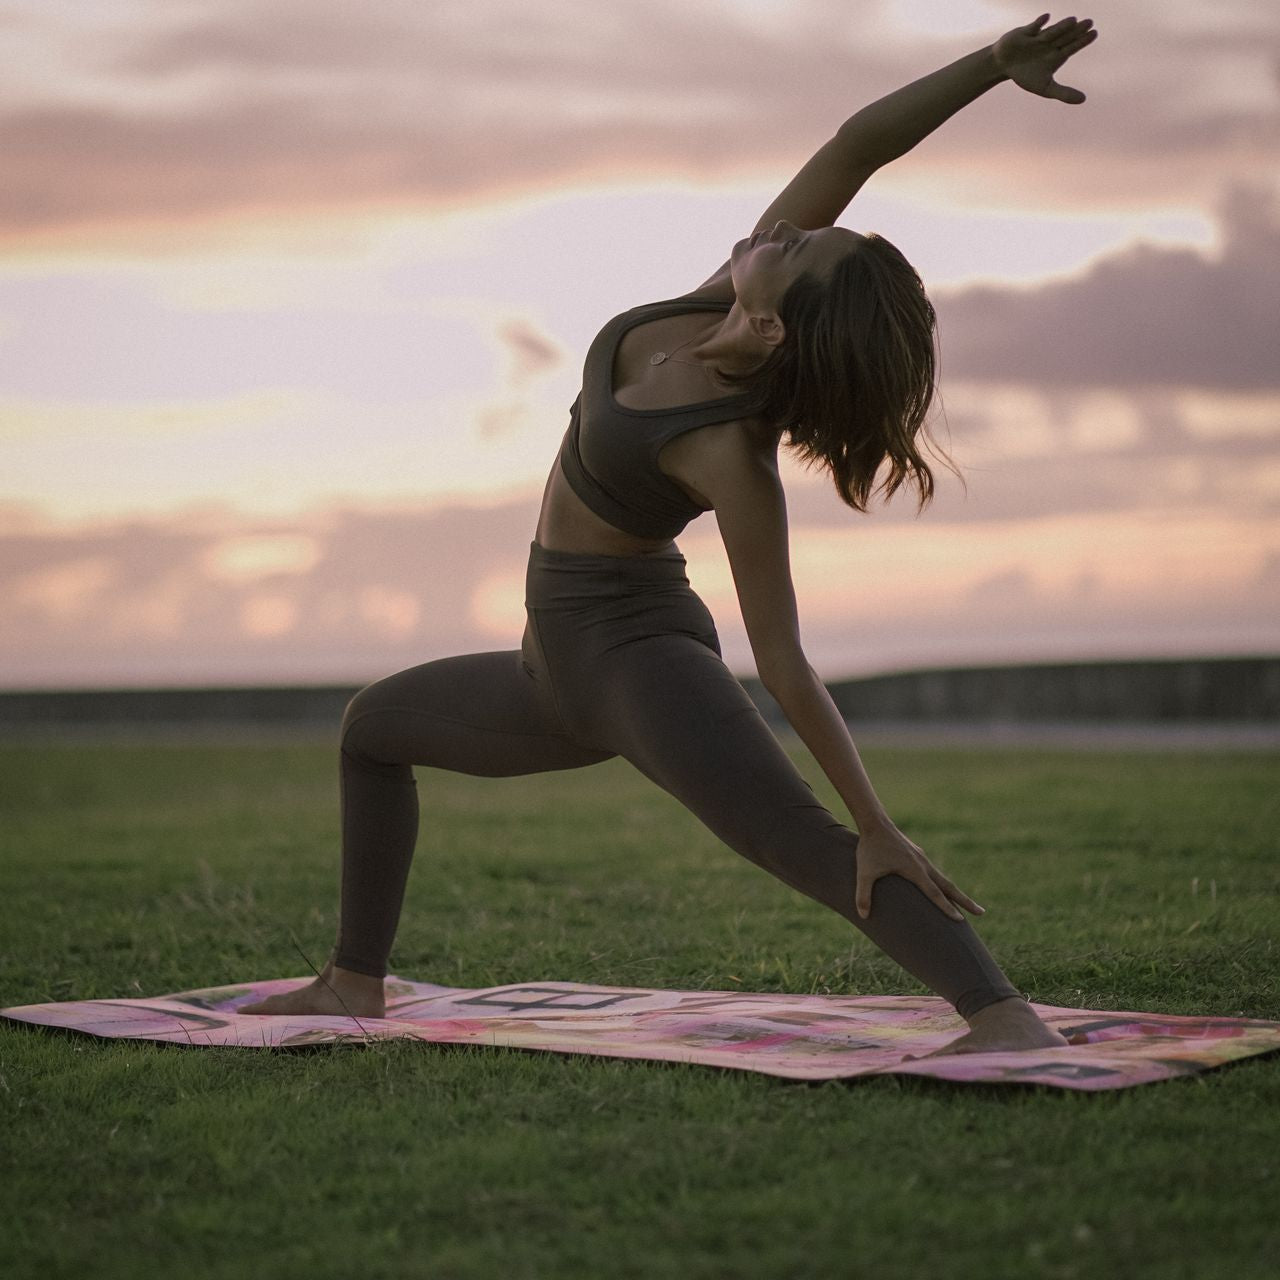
[340, 992]
[1008, 1025]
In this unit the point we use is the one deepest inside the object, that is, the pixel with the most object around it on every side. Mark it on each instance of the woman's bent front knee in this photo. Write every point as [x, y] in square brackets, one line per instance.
[364, 733]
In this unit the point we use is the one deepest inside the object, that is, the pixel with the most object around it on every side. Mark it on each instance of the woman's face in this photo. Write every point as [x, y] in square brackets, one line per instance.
[764, 266]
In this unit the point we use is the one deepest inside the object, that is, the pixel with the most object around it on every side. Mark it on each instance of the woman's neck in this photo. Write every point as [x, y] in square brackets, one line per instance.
[731, 347]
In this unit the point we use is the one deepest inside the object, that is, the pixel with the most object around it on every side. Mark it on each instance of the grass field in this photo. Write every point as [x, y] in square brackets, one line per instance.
[1111, 880]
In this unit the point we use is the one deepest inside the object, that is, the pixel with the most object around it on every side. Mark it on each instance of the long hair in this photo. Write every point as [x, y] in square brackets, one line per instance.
[852, 381]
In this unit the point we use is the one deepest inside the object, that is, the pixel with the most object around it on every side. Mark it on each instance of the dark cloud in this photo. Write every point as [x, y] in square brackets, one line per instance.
[1147, 316]
[313, 105]
[1144, 478]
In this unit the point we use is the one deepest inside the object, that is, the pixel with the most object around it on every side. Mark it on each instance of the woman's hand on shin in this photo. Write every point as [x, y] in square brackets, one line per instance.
[884, 851]
[1030, 55]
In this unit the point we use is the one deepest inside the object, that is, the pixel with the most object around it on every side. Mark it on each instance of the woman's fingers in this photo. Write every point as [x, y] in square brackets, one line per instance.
[941, 891]
[1058, 29]
[948, 891]
[958, 895]
[934, 893]
[862, 896]
[1064, 93]
[1073, 42]
[1065, 33]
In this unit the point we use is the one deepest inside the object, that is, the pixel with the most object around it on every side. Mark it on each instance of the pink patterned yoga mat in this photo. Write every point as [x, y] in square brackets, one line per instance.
[800, 1037]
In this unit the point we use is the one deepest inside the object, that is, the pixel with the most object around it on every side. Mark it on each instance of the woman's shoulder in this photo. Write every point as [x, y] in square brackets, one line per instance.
[741, 441]
[731, 456]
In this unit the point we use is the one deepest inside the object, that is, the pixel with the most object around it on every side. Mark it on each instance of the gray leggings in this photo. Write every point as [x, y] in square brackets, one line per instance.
[620, 658]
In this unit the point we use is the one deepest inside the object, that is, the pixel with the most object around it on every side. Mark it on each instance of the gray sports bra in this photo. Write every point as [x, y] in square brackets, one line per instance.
[610, 453]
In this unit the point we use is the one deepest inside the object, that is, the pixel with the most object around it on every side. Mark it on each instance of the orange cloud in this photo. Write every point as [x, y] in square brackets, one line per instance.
[1148, 565]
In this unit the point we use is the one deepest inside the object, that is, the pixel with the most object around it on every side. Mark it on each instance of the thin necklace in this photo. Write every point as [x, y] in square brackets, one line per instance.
[659, 356]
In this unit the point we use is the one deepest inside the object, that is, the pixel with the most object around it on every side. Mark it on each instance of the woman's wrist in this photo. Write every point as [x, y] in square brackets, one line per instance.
[991, 65]
[870, 822]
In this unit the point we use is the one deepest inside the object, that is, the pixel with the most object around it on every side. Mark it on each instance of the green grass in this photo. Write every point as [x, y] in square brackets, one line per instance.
[128, 870]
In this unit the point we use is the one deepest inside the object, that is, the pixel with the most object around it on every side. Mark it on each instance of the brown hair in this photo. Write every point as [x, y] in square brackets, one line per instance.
[852, 382]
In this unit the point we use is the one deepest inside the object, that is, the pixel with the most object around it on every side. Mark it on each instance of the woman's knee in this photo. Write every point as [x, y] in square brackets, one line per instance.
[364, 722]
[370, 699]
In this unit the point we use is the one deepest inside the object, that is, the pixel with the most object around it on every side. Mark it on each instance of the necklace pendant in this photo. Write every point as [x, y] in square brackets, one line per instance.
[658, 357]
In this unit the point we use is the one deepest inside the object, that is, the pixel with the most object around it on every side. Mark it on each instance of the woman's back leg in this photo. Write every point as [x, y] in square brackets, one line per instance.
[486, 714]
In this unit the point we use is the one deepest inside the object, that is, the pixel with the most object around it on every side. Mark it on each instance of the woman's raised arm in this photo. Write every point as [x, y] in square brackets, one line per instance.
[892, 125]
[889, 127]
[1028, 56]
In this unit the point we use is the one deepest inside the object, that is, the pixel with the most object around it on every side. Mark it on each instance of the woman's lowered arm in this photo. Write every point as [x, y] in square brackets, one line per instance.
[751, 511]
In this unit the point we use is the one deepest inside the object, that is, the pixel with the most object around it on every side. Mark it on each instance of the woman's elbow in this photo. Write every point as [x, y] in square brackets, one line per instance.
[779, 673]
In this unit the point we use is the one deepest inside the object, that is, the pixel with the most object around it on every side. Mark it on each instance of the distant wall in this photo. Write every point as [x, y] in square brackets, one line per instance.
[1209, 690]
[302, 706]
[1182, 690]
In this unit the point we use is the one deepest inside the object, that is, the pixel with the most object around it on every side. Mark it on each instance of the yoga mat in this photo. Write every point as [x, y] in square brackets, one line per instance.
[798, 1037]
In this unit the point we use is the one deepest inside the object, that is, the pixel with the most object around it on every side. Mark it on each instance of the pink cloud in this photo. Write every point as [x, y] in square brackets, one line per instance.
[305, 105]
[131, 596]
[209, 107]
[176, 599]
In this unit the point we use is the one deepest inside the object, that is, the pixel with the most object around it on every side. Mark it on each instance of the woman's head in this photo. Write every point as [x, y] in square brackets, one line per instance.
[851, 374]
[764, 266]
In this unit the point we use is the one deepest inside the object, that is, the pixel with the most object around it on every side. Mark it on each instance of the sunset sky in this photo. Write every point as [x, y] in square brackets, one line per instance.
[294, 297]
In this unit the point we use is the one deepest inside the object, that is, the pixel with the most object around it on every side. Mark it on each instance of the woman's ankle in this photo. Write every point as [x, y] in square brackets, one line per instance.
[1011, 1009]
[351, 978]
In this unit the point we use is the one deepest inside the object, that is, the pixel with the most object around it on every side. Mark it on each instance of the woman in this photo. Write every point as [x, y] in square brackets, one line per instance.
[809, 332]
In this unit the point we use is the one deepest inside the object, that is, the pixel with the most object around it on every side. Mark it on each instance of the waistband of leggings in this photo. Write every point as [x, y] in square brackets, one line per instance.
[558, 576]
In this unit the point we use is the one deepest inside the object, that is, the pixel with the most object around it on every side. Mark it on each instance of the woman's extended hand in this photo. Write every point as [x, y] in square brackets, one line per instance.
[1030, 55]
[885, 851]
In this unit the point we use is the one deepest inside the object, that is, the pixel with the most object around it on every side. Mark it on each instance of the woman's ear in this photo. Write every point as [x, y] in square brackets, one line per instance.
[768, 327]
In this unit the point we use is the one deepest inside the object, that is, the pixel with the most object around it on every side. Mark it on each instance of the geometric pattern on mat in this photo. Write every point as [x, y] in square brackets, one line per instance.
[800, 1037]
